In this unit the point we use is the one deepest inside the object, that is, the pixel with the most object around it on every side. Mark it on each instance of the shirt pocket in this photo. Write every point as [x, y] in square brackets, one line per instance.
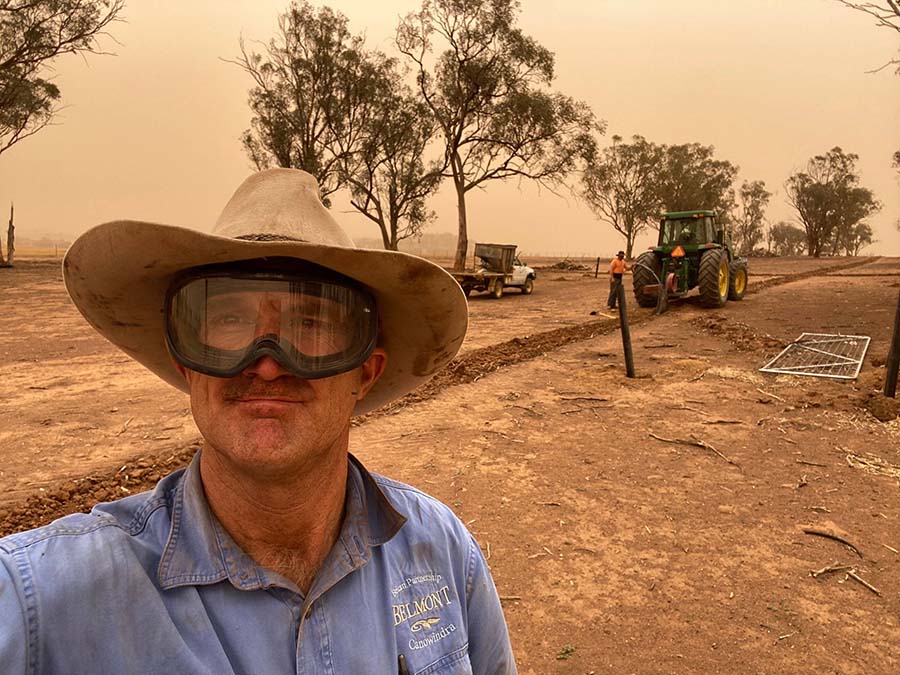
[454, 663]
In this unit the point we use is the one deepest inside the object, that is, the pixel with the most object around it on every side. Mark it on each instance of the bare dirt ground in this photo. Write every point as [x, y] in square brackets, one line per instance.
[614, 548]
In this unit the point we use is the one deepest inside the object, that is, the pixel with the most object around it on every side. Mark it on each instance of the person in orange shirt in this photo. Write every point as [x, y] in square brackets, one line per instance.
[616, 269]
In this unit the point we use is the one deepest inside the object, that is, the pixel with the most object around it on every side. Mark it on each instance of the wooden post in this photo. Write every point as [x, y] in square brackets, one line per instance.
[893, 360]
[597, 271]
[626, 331]
[11, 237]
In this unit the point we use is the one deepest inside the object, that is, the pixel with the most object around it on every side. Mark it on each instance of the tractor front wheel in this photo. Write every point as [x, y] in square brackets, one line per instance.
[714, 278]
[643, 276]
[737, 285]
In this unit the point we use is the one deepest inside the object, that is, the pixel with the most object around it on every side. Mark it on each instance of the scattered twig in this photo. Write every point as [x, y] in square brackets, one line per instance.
[661, 345]
[488, 556]
[548, 503]
[830, 535]
[721, 422]
[770, 395]
[853, 575]
[803, 461]
[696, 442]
[583, 398]
[124, 426]
[510, 598]
[531, 410]
[786, 635]
[828, 569]
[890, 548]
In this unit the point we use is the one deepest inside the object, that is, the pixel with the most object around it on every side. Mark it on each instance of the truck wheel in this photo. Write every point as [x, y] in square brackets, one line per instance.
[497, 292]
[467, 290]
[528, 286]
[737, 286]
[713, 278]
[641, 276]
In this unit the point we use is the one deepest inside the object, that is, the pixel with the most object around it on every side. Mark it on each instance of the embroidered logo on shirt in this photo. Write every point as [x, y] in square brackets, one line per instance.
[424, 603]
[423, 624]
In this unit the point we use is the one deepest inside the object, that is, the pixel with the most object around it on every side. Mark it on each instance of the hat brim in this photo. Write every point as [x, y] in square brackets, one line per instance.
[117, 274]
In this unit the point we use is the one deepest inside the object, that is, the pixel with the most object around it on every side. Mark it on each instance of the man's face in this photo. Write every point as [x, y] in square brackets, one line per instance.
[266, 420]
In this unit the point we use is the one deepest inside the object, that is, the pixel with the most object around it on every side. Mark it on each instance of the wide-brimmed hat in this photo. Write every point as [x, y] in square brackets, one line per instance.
[117, 274]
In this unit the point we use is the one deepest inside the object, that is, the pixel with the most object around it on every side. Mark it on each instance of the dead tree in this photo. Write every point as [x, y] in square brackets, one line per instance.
[10, 241]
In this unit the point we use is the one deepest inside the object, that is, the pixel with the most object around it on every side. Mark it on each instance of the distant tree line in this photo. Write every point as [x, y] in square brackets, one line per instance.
[629, 184]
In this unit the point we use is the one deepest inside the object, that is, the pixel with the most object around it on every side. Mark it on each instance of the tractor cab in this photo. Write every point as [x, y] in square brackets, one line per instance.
[688, 228]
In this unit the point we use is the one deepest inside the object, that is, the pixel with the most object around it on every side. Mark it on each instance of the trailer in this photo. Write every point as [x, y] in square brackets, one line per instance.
[496, 267]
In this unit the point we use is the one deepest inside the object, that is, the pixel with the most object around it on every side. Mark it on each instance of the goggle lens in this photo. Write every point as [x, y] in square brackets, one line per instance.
[221, 324]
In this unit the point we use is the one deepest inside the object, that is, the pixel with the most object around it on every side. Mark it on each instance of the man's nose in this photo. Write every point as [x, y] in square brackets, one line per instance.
[268, 318]
[266, 368]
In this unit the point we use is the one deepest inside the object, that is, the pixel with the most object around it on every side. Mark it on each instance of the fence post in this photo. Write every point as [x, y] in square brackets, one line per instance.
[626, 330]
[893, 360]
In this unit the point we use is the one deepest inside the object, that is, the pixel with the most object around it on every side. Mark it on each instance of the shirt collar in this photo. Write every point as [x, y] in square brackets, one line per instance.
[199, 551]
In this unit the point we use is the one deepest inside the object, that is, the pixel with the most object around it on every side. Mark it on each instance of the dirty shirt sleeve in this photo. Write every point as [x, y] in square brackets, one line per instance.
[13, 637]
[489, 649]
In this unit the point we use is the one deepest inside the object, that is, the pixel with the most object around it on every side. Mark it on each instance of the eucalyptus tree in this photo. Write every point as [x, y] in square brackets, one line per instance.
[690, 177]
[619, 185]
[33, 33]
[830, 202]
[749, 216]
[487, 84]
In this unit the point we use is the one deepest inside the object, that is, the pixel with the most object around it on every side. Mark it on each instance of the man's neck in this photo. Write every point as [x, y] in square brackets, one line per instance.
[288, 526]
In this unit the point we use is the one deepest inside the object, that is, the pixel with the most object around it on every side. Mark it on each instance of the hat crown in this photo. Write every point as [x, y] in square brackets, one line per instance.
[280, 204]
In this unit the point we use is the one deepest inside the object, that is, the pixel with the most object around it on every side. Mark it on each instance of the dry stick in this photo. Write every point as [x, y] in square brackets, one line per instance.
[777, 398]
[583, 398]
[830, 568]
[853, 575]
[531, 410]
[696, 443]
[803, 461]
[834, 537]
[509, 598]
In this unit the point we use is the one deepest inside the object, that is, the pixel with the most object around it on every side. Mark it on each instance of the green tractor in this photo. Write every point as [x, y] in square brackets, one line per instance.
[693, 251]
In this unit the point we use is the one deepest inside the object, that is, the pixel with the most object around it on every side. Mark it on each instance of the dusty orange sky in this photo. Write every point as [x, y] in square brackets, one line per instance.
[153, 132]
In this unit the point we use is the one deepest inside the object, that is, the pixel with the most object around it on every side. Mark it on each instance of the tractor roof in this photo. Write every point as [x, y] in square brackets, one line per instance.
[675, 215]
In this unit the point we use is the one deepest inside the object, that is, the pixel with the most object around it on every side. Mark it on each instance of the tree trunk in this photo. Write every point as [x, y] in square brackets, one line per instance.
[10, 241]
[462, 241]
[10, 238]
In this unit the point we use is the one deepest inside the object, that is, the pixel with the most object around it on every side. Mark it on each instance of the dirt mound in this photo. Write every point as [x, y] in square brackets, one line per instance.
[739, 334]
[81, 494]
[567, 265]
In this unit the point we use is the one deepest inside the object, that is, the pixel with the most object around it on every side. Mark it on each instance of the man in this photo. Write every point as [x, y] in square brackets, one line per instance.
[275, 551]
[616, 269]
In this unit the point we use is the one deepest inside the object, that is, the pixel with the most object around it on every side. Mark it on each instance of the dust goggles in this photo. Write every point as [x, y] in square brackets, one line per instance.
[313, 321]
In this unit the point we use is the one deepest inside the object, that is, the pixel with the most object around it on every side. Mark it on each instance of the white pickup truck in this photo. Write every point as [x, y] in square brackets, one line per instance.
[496, 267]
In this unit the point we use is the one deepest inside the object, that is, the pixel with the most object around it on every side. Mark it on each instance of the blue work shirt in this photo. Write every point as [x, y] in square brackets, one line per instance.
[154, 584]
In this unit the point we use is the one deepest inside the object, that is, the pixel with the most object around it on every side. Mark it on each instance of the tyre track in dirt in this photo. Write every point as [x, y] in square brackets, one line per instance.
[142, 473]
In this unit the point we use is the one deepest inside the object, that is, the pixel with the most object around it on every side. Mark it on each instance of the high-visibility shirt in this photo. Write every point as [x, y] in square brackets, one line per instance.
[617, 266]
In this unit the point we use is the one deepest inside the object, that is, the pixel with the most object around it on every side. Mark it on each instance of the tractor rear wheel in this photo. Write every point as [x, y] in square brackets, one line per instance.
[713, 278]
[737, 285]
[642, 276]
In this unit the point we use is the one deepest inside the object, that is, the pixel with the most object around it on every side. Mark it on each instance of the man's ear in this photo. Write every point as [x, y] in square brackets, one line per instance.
[370, 371]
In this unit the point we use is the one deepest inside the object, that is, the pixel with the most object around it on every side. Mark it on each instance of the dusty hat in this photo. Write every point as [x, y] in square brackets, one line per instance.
[620, 253]
[117, 275]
